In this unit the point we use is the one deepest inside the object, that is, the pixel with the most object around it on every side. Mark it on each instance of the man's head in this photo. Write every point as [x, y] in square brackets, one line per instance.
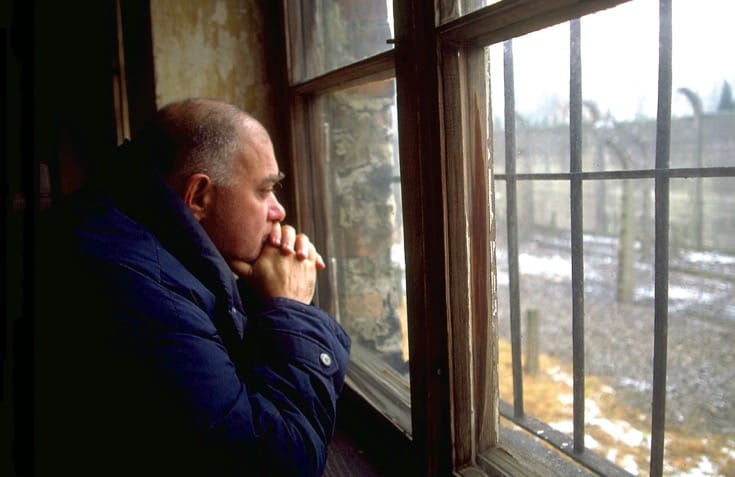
[221, 162]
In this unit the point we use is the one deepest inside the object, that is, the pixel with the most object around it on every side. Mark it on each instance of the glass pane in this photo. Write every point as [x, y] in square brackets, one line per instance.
[541, 107]
[619, 108]
[366, 237]
[544, 264]
[700, 403]
[325, 35]
[619, 309]
[703, 105]
[452, 9]
[619, 133]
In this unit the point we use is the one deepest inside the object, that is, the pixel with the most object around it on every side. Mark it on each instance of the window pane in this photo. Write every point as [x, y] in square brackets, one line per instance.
[541, 107]
[700, 408]
[619, 89]
[619, 318]
[325, 35]
[619, 107]
[544, 263]
[703, 105]
[452, 9]
[366, 238]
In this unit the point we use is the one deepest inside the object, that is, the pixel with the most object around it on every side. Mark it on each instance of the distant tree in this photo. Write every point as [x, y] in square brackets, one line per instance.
[726, 101]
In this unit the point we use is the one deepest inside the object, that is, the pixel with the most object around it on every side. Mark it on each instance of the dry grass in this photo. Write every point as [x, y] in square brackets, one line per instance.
[547, 396]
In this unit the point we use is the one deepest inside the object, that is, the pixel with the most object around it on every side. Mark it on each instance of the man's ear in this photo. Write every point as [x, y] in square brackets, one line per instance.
[198, 194]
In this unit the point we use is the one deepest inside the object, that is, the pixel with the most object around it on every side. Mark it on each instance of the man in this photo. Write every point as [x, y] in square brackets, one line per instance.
[174, 330]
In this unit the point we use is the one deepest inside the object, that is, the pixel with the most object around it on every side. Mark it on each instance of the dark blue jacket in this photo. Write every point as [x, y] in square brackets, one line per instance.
[149, 362]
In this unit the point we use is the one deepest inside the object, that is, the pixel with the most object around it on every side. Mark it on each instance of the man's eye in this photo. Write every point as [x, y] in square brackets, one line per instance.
[270, 189]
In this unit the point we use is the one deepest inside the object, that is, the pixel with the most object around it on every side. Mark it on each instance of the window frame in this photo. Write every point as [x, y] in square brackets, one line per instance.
[460, 39]
[462, 158]
[445, 166]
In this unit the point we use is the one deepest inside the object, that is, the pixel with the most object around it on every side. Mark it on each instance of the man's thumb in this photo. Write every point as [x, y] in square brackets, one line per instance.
[242, 269]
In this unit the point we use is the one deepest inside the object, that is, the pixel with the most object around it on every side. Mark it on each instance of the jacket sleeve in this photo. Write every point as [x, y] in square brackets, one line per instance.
[297, 360]
[270, 412]
[132, 377]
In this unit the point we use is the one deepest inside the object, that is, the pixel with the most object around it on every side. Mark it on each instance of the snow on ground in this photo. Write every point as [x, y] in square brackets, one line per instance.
[618, 338]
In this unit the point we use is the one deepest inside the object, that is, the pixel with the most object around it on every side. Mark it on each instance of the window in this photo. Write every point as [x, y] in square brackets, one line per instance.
[554, 246]
[349, 116]
[364, 233]
[325, 35]
[584, 181]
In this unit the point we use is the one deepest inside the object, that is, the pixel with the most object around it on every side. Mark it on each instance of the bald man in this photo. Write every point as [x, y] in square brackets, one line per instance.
[175, 333]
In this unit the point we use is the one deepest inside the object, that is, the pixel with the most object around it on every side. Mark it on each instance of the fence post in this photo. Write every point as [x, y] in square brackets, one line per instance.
[532, 346]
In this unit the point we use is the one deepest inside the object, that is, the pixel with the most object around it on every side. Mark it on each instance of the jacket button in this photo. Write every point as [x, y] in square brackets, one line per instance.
[325, 359]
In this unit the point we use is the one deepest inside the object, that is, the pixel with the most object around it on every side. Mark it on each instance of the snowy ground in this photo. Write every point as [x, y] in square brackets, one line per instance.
[619, 337]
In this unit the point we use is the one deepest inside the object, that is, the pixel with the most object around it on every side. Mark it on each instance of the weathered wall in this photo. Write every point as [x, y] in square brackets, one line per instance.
[215, 49]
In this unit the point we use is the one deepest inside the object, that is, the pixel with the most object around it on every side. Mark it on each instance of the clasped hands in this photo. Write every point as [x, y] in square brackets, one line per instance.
[286, 267]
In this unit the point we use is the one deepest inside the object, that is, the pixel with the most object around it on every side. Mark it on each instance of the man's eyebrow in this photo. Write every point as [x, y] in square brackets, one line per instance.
[274, 178]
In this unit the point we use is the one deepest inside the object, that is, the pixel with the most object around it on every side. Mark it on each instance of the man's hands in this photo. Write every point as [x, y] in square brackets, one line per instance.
[286, 267]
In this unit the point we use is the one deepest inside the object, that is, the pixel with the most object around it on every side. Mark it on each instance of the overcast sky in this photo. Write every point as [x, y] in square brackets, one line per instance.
[620, 54]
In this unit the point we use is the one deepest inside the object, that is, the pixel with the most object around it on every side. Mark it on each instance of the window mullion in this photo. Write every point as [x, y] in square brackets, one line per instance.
[661, 306]
[483, 289]
[422, 189]
[577, 232]
[512, 226]
[460, 299]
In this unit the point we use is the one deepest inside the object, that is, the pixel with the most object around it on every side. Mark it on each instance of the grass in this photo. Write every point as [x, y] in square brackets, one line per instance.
[614, 430]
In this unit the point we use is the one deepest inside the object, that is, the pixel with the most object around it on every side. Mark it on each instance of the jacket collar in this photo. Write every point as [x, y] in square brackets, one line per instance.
[146, 198]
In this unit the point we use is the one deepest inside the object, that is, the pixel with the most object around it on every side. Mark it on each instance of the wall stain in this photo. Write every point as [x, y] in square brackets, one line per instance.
[214, 49]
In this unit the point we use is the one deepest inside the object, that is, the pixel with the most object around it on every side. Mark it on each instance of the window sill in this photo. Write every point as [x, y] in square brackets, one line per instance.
[369, 440]
[522, 455]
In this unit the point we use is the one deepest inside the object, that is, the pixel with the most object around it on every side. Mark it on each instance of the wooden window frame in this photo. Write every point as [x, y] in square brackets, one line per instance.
[474, 337]
[444, 167]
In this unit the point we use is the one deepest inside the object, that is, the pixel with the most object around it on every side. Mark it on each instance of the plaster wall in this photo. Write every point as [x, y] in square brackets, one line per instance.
[215, 49]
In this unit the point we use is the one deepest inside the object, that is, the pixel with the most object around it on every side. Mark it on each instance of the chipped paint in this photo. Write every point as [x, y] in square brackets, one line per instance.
[214, 49]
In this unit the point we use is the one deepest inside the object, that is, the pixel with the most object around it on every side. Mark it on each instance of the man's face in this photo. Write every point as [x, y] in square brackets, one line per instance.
[241, 216]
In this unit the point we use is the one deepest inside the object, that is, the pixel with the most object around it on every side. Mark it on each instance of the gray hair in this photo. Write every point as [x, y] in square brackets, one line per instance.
[195, 136]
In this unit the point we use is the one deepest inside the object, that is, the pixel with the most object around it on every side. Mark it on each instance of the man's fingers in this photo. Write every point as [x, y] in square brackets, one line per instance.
[320, 265]
[303, 246]
[275, 235]
[241, 269]
[285, 238]
[288, 239]
[305, 249]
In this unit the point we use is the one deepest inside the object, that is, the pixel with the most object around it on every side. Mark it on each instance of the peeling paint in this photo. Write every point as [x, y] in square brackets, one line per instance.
[211, 48]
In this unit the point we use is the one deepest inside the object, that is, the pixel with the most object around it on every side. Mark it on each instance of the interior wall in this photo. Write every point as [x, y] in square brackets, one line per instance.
[60, 119]
[59, 126]
[225, 49]
[214, 49]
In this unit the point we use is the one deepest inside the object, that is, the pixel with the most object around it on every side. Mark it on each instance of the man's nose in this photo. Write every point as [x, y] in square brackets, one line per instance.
[276, 212]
